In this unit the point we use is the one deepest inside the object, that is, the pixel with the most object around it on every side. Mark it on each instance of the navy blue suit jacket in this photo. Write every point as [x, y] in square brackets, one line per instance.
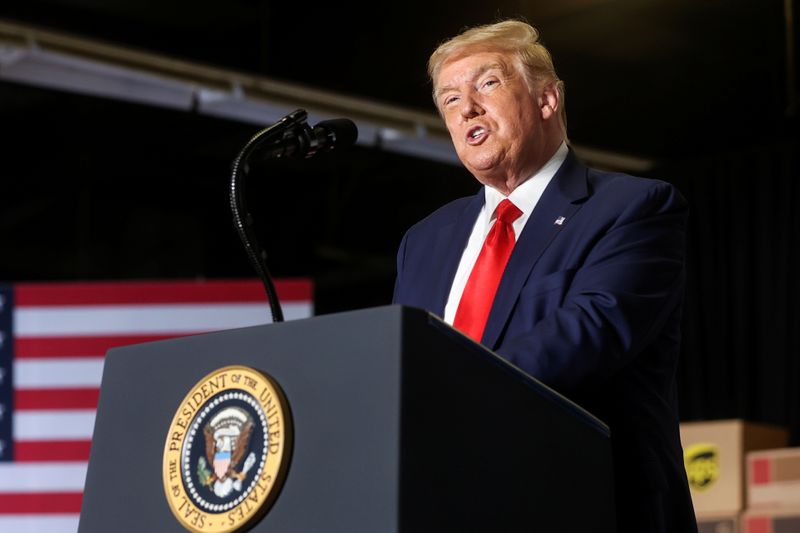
[590, 305]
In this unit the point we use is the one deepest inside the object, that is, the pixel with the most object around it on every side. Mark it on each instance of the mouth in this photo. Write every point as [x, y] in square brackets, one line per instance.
[476, 135]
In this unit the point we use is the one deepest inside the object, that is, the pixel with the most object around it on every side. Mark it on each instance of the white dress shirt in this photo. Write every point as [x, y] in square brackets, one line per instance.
[525, 197]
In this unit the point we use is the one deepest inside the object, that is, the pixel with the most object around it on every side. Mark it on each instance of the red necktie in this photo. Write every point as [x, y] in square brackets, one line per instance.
[476, 301]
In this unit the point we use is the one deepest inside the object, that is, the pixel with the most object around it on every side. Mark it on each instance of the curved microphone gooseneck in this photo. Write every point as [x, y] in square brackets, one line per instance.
[289, 137]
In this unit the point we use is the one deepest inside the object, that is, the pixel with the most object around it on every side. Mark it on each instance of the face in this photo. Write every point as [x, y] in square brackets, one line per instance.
[502, 130]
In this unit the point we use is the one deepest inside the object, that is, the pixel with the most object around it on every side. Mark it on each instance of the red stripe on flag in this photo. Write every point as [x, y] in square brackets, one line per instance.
[51, 450]
[157, 292]
[53, 347]
[40, 502]
[29, 399]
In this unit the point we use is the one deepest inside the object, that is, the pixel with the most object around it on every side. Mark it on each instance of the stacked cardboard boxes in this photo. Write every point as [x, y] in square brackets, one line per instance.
[773, 491]
[714, 455]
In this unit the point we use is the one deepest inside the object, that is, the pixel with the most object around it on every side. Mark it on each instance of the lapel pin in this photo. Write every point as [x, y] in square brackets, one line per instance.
[559, 221]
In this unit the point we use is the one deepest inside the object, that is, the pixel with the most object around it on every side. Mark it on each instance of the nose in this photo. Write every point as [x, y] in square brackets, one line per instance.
[470, 107]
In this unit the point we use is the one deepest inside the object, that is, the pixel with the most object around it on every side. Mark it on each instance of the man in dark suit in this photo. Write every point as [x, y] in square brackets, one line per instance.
[580, 285]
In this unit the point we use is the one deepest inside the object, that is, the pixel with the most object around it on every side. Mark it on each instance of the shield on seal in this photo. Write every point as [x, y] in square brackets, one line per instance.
[222, 460]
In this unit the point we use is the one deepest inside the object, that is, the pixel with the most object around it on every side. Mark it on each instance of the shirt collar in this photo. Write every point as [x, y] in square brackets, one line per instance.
[526, 195]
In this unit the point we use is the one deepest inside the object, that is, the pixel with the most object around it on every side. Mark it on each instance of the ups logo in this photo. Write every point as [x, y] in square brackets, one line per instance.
[702, 465]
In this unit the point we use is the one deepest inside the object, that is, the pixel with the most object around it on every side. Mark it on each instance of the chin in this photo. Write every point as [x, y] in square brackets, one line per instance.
[482, 165]
[489, 169]
[487, 160]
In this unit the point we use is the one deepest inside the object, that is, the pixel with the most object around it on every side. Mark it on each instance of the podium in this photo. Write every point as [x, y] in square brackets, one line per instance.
[400, 424]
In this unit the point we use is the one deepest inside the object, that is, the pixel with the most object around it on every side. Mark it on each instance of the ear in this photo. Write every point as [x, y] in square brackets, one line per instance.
[549, 100]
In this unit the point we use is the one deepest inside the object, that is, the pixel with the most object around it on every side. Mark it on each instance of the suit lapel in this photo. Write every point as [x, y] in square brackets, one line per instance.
[562, 198]
[453, 239]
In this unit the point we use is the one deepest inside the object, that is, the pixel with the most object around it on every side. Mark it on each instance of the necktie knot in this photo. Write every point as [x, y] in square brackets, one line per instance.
[507, 212]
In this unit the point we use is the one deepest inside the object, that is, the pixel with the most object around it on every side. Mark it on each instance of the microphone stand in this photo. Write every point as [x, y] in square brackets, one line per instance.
[242, 218]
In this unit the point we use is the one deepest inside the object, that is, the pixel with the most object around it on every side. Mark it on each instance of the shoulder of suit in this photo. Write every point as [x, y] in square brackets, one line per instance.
[616, 182]
[626, 190]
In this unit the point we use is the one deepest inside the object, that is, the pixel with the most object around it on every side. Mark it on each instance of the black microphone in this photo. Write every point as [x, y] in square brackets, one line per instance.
[301, 141]
[289, 137]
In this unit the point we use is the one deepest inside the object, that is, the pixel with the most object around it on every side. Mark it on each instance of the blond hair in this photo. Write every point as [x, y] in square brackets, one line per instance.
[515, 36]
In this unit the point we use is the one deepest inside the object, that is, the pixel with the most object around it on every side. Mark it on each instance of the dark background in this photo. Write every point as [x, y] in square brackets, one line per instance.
[99, 189]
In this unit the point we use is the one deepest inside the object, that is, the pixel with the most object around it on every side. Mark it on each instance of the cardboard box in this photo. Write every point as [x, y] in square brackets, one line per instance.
[714, 455]
[771, 521]
[773, 479]
[718, 523]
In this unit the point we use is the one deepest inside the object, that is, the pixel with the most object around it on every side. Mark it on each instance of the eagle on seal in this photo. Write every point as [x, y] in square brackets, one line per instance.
[227, 437]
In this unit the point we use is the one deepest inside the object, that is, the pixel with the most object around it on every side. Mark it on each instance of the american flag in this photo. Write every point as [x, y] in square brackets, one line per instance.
[53, 337]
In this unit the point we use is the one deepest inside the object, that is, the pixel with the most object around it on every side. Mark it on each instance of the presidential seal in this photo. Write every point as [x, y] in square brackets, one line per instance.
[227, 450]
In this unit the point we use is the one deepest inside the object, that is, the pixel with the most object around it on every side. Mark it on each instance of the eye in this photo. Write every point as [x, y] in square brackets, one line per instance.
[450, 99]
[489, 83]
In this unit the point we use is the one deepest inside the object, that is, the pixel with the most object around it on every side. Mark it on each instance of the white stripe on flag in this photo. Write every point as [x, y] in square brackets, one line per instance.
[76, 424]
[42, 477]
[44, 321]
[61, 523]
[75, 372]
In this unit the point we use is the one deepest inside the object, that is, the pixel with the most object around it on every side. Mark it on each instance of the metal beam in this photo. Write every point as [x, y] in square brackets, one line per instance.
[75, 64]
